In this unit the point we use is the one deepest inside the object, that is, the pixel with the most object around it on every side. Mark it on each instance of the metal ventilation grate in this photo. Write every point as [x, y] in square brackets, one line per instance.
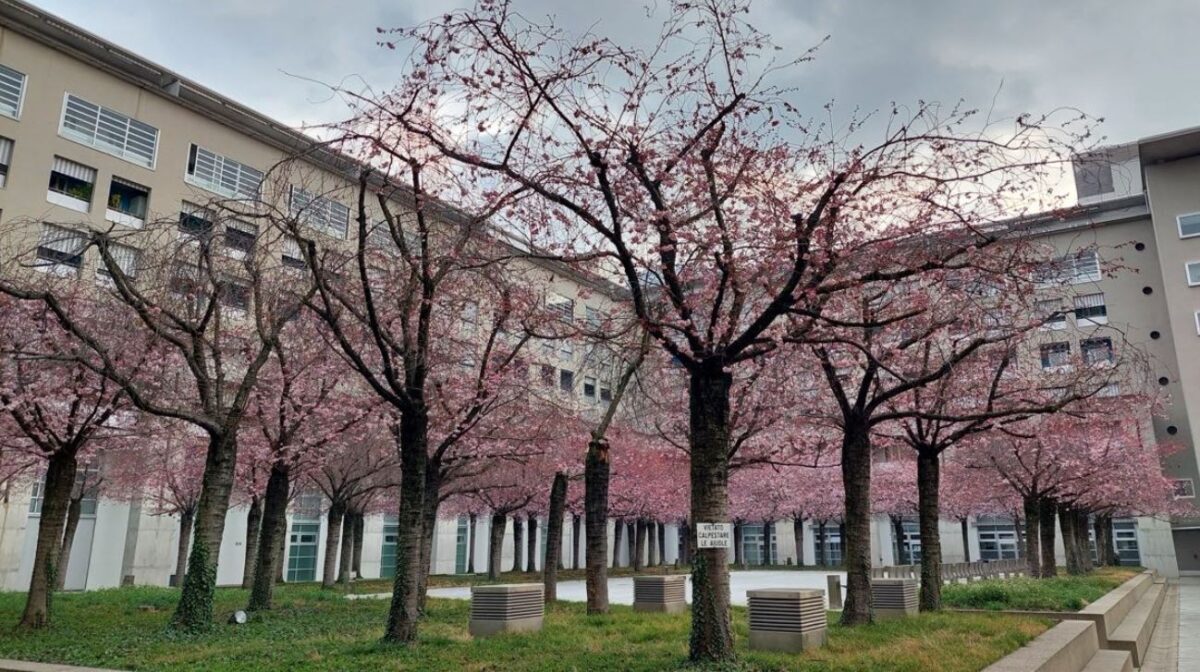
[798, 611]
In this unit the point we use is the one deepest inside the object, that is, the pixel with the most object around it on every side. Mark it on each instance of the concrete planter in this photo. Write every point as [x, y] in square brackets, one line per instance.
[787, 620]
[660, 593]
[516, 607]
[894, 598]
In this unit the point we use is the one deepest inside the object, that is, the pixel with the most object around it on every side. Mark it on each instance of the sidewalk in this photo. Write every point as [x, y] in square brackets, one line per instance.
[1180, 614]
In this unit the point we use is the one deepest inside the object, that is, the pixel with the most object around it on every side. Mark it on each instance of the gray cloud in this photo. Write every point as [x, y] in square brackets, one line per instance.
[1133, 63]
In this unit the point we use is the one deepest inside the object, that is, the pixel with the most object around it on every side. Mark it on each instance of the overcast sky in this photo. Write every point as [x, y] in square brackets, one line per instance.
[1135, 64]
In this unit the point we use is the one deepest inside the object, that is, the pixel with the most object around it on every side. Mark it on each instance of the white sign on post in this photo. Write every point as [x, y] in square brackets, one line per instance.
[714, 535]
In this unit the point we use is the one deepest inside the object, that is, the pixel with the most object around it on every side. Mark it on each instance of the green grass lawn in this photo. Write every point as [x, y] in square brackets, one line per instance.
[319, 630]
[1063, 593]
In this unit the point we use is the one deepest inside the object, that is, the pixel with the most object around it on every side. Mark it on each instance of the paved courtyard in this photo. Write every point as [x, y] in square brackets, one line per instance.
[620, 590]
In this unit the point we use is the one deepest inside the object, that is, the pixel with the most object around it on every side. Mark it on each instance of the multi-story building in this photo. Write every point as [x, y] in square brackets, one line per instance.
[91, 133]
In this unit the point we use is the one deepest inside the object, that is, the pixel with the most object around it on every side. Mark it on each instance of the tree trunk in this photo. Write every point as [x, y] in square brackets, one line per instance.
[360, 528]
[531, 552]
[856, 541]
[662, 544]
[404, 611]
[429, 515]
[768, 534]
[576, 528]
[737, 545]
[966, 539]
[639, 543]
[472, 530]
[496, 544]
[74, 511]
[898, 535]
[333, 535]
[187, 520]
[271, 538]
[56, 494]
[929, 478]
[685, 541]
[346, 561]
[630, 542]
[798, 536]
[708, 406]
[618, 532]
[1033, 518]
[253, 530]
[518, 538]
[195, 609]
[1047, 532]
[1085, 550]
[1066, 522]
[823, 555]
[651, 543]
[554, 535]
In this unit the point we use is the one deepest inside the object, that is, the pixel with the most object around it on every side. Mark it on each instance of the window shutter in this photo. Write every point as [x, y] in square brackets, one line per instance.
[12, 83]
[1089, 301]
[75, 170]
[130, 184]
[1086, 266]
[63, 240]
[109, 131]
[291, 248]
[126, 258]
[223, 175]
[6, 147]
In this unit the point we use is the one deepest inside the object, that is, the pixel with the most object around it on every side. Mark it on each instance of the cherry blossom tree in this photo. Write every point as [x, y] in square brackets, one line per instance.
[54, 415]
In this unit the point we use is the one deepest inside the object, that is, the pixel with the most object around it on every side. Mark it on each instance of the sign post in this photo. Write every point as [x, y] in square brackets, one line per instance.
[714, 535]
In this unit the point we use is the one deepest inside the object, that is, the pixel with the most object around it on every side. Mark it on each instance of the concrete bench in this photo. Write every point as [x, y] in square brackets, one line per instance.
[1070, 646]
[1133, 633]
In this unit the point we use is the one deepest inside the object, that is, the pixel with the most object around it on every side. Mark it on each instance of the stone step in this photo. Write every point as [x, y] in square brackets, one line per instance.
[1110, 661]
[1133, 634]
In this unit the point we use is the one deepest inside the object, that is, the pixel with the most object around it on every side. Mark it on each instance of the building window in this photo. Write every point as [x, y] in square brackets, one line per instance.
[605, 393]
[6, 147]
[221, 175]
[323, 214]
[1185, 488]
[128, 202]
[997, 538]
[12, 91]
[1193, 274]
[1198, 322]
[109, 131]
[1053, 314]
[562, 307]
[240, 238]
[1056, 355]
[1072, 269]
[195, 221]
[37, 496]
[60, 251]
[1110, 390]
[126, 259]
[546, 374]
[71, 185]
[1096, 350]
[233, 294]
[566, 380]
[187, 281]
[1090, 309]
[589, 388]
[1189, 225]
[292, 256]
[594, 317]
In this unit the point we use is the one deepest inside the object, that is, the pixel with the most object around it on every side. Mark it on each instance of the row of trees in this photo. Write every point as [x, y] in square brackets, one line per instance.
[781, 299]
